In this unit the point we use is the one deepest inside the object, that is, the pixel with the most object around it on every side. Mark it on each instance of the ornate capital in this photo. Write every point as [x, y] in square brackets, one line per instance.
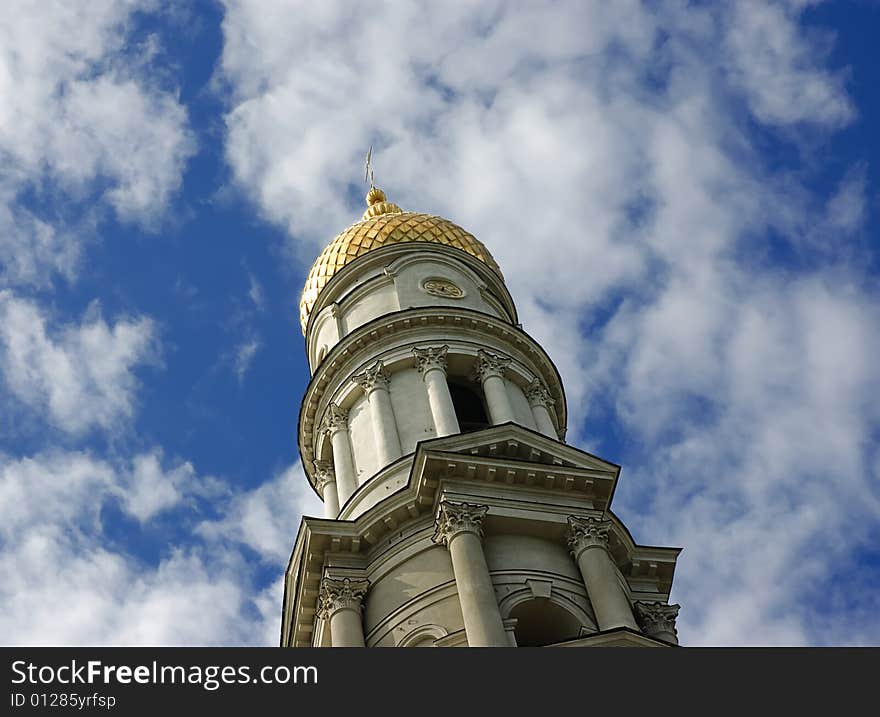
[538, 394]
[657, 618]
[341, 594]
[489, 364]
[586, 533]
[455, 518]
[335, 419]
[324, 474]
[372, 378]
[430, 357]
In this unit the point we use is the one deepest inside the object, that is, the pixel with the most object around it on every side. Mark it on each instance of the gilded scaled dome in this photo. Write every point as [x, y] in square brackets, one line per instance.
[384, 223]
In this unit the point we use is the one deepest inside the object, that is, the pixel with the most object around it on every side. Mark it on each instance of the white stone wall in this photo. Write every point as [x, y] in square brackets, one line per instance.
[520, 403]
[375, 288]
[418, 590]
[361, 435]
[412, 589]
[409, 399]
[366, 302]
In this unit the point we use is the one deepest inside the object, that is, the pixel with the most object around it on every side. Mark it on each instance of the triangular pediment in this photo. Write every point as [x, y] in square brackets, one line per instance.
[512, 442]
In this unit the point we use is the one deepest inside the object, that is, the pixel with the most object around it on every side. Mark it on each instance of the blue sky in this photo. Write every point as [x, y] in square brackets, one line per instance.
[683, 199]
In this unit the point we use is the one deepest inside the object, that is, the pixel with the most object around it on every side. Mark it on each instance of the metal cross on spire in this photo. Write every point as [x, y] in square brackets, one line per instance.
[368, 165]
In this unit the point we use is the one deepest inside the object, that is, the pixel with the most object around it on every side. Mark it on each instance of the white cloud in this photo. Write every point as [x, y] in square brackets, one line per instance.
[261, 518]
[69, 583]
[600, 151]
[80, 120]
[256, 293]
[78, 376]
[778, 67]
[148, 489]
[244, 355]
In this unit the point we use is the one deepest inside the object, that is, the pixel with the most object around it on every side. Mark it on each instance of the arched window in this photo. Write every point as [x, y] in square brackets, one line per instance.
[467, 398]
[541, 622]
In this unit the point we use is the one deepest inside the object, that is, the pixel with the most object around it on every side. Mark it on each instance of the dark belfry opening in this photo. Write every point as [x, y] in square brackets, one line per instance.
[467, 398]
[540, 622]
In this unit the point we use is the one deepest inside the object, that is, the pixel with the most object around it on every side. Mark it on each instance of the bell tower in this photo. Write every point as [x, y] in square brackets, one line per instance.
[433, 429]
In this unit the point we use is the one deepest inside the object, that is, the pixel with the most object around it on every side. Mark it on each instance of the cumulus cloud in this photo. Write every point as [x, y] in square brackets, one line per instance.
[68, 583]
[604, 152]
[777, 68]
[80, 119]
[261, 518]
[76, 376]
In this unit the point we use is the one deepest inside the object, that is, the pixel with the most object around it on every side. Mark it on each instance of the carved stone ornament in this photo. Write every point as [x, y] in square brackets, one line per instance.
[657, 618]
[341, 594]
[442, 287]
[455, 518]
[538, 394]
[372, 378]
[431, 357]
[324, 475]
[489, 364]
[335, 419]
[586, 533]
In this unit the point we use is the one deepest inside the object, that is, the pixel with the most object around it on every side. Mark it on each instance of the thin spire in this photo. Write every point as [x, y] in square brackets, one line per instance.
[368, 168]
[376, 203]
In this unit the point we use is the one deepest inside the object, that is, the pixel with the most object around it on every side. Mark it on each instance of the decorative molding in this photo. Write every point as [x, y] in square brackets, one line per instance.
[419, 634]
[324, 475]
[341, 594]
[430, 357]
[586, 533]
[540, 588]
[490, 364]
[335, 419]
[437, 286]
[372, 378]
[656, 618]
[538, 395]
[455, 518]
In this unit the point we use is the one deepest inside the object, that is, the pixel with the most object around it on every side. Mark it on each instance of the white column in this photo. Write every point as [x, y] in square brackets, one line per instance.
[431, 362]
[490, 371]
[540, 402]
[336, 426]
[341, 602]
[374, 382]
[657, 619]
[326, 480]
[588, 540]
[459, 527]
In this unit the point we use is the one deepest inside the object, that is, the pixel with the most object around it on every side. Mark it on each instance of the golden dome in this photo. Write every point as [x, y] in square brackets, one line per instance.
[384, 223]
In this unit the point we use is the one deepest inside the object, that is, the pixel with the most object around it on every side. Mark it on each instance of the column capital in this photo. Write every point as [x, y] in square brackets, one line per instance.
[586, 533]
[456, 518]
[656, 618]
[538, 394]
[430, 357]
[372, 378]
[341, 594]
[324, 474]
[335, 419]
[490, 364]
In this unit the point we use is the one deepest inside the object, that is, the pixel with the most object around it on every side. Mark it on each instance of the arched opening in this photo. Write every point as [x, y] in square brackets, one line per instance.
[541, 622]
[467, 398]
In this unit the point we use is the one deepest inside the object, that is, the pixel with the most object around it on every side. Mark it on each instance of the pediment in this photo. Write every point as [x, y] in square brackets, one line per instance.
[511, 442]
